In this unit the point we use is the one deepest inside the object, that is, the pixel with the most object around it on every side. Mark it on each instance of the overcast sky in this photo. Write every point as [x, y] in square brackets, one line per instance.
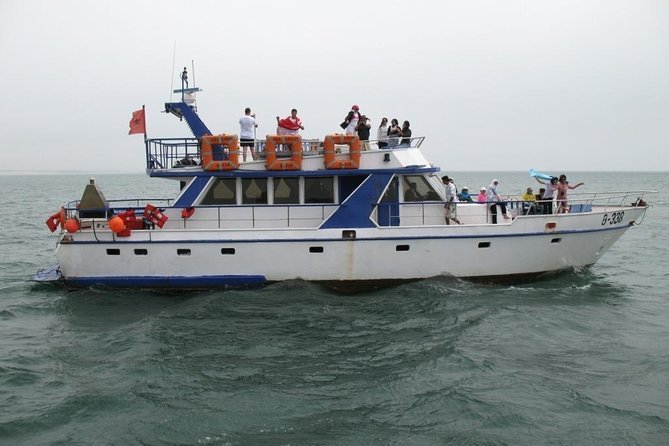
[493, 84]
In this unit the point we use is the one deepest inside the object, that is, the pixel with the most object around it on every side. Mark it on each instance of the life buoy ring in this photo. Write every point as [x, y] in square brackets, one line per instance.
[56, 219]
[207, 144]
[329, 158]
[292, 163]
[154, 215]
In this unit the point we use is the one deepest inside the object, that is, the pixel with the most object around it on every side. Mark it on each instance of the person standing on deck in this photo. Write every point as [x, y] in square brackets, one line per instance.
[363, 129]
[562, 189]
[351, 120]
[290, 125]
[451, 195]
[549, 192]
[382, 134]
[394, 132]
[406, 135]
[247, 127]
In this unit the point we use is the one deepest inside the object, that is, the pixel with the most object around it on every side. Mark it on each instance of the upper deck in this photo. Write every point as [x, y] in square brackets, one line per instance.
[181, 157]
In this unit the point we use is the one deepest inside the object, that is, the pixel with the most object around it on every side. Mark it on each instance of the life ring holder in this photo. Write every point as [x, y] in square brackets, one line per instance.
[329, 155]
[292, 163]
[207, 143]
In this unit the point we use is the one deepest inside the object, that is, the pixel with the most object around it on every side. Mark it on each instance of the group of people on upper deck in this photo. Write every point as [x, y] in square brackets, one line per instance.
[355, 123]
[387, 135]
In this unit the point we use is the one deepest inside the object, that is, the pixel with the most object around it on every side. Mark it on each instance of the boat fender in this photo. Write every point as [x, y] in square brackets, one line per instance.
[116, 224]
[71, 225]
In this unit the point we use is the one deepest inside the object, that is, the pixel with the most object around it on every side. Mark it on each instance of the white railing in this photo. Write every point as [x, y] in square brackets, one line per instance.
[432, 213]
[177, 153]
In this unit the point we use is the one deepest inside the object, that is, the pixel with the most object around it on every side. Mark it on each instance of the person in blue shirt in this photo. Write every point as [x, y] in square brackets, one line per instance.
[463, 195]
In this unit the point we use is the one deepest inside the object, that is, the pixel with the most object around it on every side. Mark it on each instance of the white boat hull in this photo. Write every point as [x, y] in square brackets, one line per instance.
[209, 258]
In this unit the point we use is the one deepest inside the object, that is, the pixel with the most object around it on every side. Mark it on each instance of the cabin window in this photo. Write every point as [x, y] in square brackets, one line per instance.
[141, 252]
[347, 184]
[254, 190]
[319, 190]
[223, 191]
[390, 195]
[416, 188]
[388, 209]
[286, 190]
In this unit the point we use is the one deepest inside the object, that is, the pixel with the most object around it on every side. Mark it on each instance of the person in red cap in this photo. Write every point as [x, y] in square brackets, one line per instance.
[351, 120]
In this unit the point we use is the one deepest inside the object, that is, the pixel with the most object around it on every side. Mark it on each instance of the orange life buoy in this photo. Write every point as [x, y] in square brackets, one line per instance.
[207, 143]
[292, 163]
[154, 215]
[56, 219]
[329, 158]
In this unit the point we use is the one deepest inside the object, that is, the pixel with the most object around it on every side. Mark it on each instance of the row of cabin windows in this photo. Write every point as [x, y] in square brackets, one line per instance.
[224, 191]
[315, 190]
[312, 249]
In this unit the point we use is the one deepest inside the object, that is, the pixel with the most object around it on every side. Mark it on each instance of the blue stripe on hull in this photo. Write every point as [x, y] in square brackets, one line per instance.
[174, 282]
[369, 239]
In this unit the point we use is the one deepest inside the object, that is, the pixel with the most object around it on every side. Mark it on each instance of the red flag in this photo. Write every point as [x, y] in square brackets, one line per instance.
[137, 123]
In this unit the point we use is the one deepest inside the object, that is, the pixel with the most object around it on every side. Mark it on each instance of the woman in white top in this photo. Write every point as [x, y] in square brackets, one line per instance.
[352, 120]
[382, 135]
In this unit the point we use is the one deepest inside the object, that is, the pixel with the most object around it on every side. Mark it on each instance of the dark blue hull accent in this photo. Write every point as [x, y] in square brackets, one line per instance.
[170, 282]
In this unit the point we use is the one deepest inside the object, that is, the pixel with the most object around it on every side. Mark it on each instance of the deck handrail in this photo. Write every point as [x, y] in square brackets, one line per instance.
[174, 153]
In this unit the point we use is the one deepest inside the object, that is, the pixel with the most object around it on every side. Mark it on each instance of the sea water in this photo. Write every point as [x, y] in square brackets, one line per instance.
[581, 358]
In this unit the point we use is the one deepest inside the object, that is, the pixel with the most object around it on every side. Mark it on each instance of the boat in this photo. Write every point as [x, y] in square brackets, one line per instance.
[320, 210]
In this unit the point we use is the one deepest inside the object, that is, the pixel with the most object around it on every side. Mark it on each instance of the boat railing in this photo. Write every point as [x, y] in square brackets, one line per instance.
[584, 202]
[172, 153]
[274, 216]
[72, 208]
[166, 153]
[426, 213]
[420, 213]
[218, 217]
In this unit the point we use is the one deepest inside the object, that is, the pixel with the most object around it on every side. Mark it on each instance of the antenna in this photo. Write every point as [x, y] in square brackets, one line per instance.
[174, 55]
[192, 64]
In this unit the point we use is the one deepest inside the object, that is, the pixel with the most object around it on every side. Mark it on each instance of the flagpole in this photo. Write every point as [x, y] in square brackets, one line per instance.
[144, 114]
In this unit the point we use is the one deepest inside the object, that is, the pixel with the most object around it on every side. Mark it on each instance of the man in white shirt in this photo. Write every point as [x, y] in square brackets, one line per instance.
[451, 198]
[247, 133]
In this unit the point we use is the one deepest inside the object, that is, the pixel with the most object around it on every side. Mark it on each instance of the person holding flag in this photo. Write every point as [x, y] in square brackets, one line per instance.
[290, 125]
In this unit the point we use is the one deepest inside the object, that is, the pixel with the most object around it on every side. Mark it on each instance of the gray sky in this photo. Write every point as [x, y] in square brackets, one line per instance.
[494, 85]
